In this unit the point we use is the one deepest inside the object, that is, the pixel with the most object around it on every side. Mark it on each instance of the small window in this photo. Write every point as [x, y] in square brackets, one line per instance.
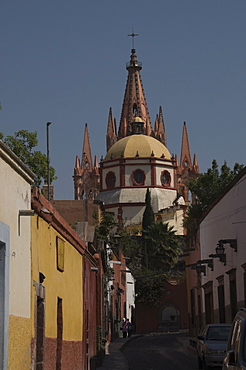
[60, 249]
[110, 180]
[165, 178]
[138, 177]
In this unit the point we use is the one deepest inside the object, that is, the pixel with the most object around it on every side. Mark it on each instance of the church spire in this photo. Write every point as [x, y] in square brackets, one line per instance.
[159, 131]
[185, 158]
[186, 170]
[86, 161]
[111, 137]
[86, 176]
[134, 103]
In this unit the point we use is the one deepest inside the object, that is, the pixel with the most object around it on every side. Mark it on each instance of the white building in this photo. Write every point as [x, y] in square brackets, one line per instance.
[132, 165]
[223, 288]
[15, 262]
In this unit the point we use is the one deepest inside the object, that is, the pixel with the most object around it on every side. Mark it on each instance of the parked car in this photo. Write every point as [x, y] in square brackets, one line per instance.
[211, 345]
[235, 358]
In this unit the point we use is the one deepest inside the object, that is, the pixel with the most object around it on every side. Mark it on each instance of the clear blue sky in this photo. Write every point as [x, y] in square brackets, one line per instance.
[64, 61]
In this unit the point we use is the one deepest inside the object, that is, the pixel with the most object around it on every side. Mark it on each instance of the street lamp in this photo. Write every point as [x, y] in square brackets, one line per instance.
[48, 158]
[220, 253]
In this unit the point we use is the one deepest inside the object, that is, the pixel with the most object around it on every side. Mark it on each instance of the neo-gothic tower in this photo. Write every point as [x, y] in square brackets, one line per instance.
[86, 174]
[134, 105]
[87, 182]
[186, 169]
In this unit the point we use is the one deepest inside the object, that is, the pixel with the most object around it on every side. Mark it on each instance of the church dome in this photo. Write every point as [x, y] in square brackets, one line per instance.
[137, 119]
[138, 146]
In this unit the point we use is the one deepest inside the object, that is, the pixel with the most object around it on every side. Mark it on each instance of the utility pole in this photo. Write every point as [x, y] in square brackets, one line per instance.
[48, 158]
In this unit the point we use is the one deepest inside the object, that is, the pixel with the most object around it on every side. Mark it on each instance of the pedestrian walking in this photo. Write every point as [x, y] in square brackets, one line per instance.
[130, 329]
[125, 328]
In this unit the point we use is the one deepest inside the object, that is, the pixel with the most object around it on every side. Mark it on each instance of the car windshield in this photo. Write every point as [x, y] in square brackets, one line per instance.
[218, 333]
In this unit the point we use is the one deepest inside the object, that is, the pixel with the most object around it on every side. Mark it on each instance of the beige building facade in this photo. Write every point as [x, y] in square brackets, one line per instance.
[15, 262]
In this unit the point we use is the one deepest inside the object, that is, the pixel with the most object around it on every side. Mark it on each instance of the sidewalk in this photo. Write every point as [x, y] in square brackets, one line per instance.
[114, 358]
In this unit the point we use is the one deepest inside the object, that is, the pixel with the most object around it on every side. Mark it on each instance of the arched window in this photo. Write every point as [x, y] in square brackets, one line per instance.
[165, 178]
[138, 177]
[135, 110]
[110, 180]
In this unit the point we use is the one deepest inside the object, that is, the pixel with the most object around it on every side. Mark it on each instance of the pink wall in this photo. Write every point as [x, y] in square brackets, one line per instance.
[148, 318]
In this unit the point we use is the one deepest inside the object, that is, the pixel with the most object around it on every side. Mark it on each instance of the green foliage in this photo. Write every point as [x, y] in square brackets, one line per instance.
[162, 246]
[149, 286]
[148, 216]
[192, 218]
[105, 230]
[149, 257]
[131, 245]
[22, 144]
[208, 186]
[161, 250]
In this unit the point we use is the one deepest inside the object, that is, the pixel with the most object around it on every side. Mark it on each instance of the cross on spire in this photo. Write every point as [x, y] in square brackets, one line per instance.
[133, 35]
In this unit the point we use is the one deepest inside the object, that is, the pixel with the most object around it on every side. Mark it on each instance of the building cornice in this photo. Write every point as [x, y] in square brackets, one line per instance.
[14, 161]
[44, 209]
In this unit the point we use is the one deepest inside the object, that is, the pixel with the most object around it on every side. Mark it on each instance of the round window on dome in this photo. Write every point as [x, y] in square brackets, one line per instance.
[165, 178]
[138, 177]
[110, 180]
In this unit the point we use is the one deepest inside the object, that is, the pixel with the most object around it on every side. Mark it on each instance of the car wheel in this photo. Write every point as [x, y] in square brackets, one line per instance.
[199, 362]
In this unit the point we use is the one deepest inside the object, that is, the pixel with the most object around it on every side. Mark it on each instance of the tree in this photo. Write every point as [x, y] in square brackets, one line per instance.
[148, 216]
[22, 144]
[105, 229]
[148, 220]
[130, 242]
[149, 286]
[206, 188]
[163, 243]
[162, 247]
[150, 257]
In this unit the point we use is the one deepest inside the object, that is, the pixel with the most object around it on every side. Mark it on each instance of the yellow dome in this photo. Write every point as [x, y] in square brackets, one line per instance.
[138, 146]
[137, 119]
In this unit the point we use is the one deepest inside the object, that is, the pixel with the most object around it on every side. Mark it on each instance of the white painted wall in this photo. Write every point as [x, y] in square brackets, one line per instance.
[128, 173]
[130, 295]
[15, 195]
[227, 220]
[114, 169]
[162, 168]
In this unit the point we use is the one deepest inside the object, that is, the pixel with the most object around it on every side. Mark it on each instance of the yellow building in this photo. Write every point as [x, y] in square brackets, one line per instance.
[57, 290]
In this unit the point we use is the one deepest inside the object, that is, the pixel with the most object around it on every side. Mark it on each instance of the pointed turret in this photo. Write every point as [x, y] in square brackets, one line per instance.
[134, 103]
[86, 161]
[195, 164]
[77, 163]
[111, 137]
[159, 132]
[186, 170]
[96, 164]
[86, 176]
[185, 158]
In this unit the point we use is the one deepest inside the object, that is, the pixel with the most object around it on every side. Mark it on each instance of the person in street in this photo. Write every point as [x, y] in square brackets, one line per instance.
[130, 329]
[125, 328]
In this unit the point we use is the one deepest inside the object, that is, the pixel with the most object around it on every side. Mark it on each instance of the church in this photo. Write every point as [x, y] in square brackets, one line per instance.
[138, 159]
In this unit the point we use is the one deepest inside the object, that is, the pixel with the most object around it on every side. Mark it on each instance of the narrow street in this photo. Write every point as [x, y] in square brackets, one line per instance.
[159, 352]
